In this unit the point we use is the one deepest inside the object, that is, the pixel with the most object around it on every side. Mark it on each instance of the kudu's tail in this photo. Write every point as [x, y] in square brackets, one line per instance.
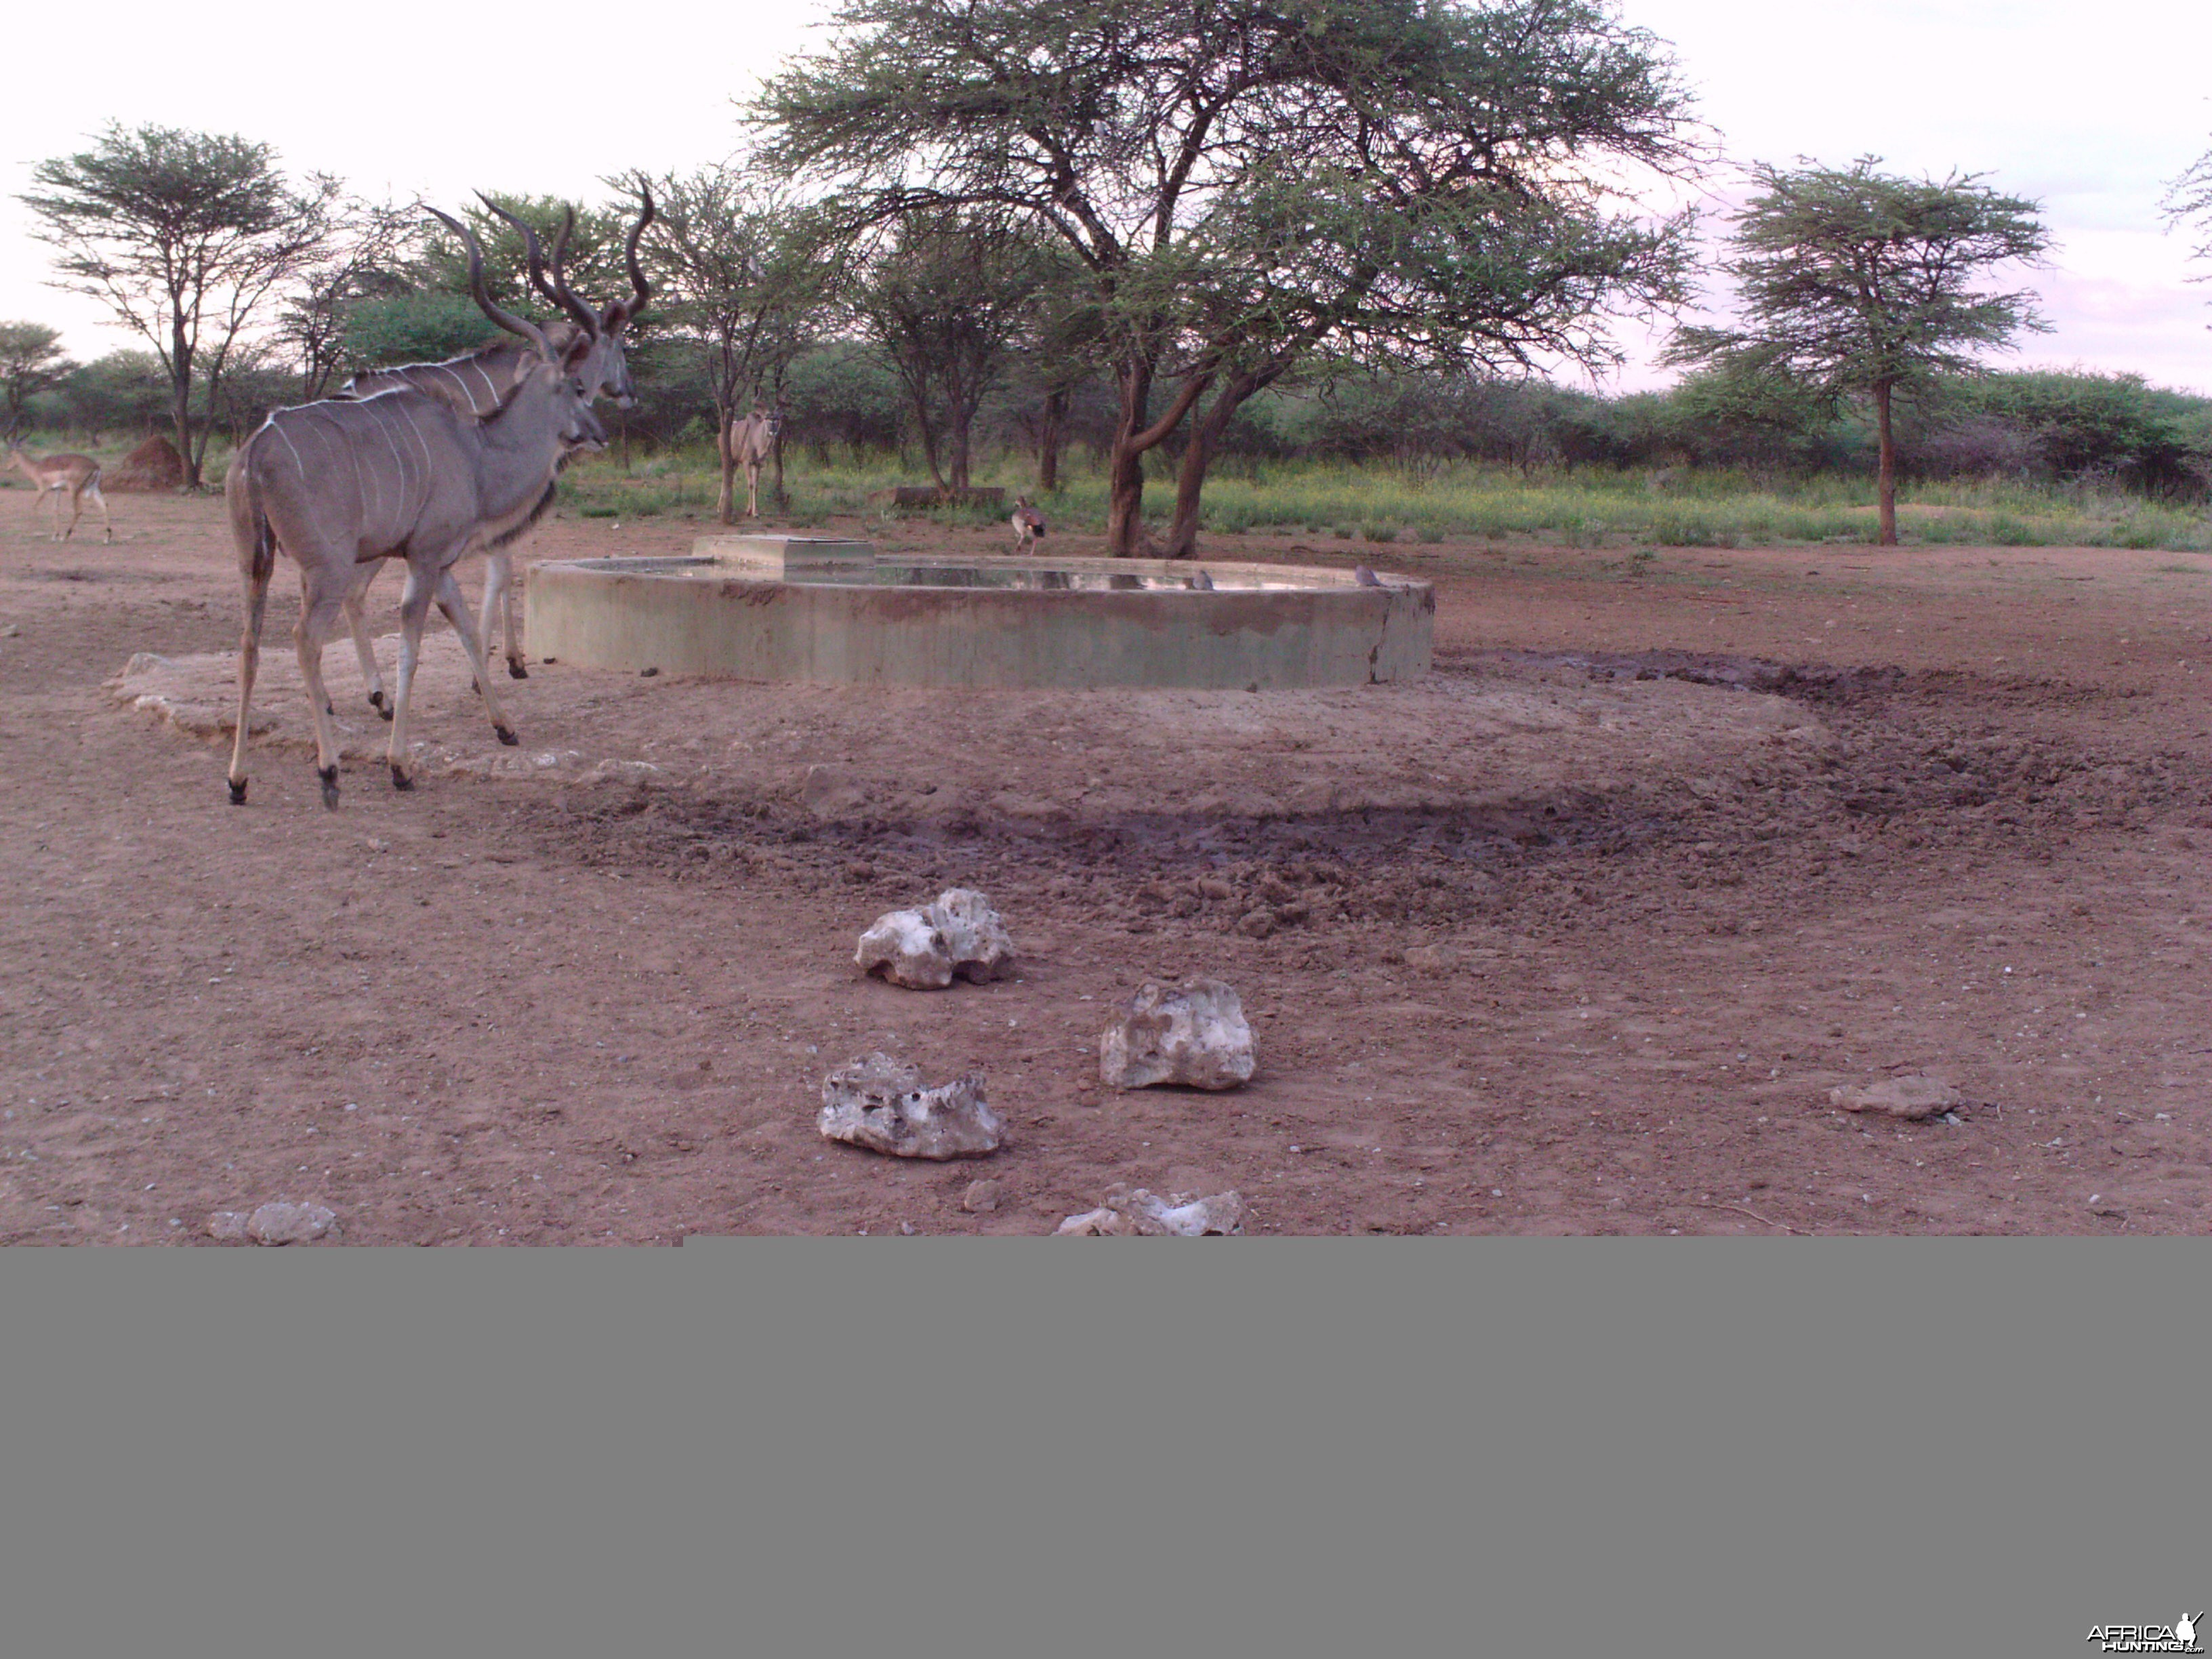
[256, 562]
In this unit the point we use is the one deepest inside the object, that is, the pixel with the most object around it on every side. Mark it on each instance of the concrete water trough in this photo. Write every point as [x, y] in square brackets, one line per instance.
[794, 608]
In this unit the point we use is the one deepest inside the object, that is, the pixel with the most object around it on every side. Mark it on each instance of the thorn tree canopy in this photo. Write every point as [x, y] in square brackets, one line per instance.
[945, 298]
[2188, 200]
[183, 235]
[1249, 181]
[1854, 284]
[31, 360]
[740, 279]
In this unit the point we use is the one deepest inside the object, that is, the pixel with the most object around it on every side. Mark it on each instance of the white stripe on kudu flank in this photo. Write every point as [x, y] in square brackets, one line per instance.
[429, 469]
[290, 445]
[383, 431]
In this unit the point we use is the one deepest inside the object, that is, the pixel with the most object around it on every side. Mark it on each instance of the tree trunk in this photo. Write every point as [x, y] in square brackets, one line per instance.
[1125, 499]
[927, 428]
[1048, 440]
[1886, 489]
[197, 463]
[1198, 455]
[181, 404]
[1125, 479]
[1125, 464]
[957, 441]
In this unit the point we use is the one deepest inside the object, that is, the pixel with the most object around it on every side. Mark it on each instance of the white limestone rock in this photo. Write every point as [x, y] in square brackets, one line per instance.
[1138, 1213]
[908, 948]
[960, 936]
[1196, 1037]
[981, 951]
[879, 1103]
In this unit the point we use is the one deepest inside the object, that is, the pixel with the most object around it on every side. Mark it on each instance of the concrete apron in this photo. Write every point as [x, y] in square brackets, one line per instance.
[728, 614]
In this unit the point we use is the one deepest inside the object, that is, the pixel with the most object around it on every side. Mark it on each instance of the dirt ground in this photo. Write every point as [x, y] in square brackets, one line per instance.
[1575, 935]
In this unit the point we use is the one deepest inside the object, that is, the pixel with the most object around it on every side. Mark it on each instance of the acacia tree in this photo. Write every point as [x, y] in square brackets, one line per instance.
[946, 299]
[1853, 283]
[2188, 200]
[1245, 181]
[185, 236]
[31, 360]
[361, 262]
[743, 277]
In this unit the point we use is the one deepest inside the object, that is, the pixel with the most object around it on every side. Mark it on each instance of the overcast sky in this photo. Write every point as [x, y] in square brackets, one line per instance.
[2088, 109]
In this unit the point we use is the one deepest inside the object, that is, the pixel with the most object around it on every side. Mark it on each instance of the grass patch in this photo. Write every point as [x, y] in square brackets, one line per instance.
[1461, 502]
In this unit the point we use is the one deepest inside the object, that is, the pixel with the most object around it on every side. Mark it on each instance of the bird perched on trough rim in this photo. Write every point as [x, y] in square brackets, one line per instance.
[1202, 582]
[1028, 522]
[1366, 578]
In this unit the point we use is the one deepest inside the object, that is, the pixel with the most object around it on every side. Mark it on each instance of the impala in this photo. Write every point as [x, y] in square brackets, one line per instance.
[50, 475]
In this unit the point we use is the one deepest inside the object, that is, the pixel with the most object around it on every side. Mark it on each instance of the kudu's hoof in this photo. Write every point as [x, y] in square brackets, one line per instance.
[507, 737]
[400, 779]
[477, 686]
[515, 670]
[237, 791]
[330, 777]
[376, 701]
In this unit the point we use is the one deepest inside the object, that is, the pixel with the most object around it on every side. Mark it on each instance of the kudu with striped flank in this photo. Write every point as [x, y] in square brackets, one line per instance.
[339, 484]
[477, 382]
[749, 443]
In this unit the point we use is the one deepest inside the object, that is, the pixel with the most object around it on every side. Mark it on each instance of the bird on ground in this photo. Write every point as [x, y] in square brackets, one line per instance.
[1028, 522]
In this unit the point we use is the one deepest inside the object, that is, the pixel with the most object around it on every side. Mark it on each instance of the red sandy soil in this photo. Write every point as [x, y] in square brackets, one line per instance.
[1576, 936]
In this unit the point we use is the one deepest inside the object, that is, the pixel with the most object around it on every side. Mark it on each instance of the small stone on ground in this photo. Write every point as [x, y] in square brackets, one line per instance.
[289, 1224]
[1138, 1213]
[1913, 1097]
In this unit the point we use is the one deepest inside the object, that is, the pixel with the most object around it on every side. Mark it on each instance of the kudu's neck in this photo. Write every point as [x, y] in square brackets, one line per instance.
[523, 442]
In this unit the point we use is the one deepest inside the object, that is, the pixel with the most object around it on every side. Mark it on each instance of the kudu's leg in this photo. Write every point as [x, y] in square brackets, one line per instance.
[76, 510]
[499, 613]
[260, 561]
[357, 617]
[320, 601]
[456, 612]
[413, 610]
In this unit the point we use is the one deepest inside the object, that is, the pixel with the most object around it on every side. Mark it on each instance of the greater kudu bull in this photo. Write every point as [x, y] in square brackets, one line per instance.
[476, 383]
[338, 485]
